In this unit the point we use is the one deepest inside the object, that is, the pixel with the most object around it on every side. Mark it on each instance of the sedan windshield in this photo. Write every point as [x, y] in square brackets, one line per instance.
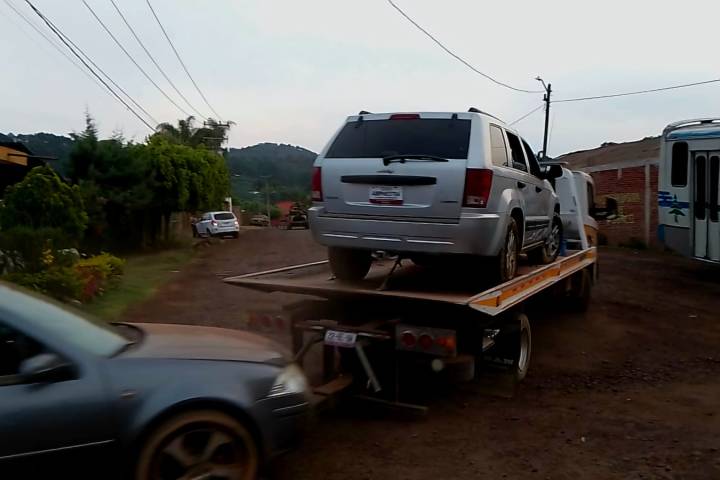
[92, 336]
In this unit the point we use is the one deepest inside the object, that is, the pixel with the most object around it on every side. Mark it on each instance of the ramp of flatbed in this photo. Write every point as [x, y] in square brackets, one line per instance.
[416, 283]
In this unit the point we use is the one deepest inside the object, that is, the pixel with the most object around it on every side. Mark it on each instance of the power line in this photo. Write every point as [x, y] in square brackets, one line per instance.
[638, 92]
[454, 55]
[157, 19]
[527, 115]
[66, 40]
[54, 44]
[157, 65]
[117, 42]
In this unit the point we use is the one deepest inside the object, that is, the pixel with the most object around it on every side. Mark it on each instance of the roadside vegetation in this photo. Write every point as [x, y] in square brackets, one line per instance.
[117, 197]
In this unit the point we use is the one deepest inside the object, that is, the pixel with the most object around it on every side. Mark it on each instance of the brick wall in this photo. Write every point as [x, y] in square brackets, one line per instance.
[627, 186]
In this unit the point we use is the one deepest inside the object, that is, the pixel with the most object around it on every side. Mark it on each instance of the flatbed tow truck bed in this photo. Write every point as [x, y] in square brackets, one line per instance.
[403, 317]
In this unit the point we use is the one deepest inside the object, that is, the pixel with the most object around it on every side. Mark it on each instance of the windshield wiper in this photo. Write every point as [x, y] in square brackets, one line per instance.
[403, 158]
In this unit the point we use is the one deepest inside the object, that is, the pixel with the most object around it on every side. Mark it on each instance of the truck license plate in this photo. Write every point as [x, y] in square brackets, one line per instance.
[340, 339]
[386, 195]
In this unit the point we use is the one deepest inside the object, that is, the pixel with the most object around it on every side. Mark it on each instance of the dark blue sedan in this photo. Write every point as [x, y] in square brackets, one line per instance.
[152, 401]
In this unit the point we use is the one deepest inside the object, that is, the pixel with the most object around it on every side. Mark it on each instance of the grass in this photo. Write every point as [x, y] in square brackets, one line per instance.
[144, 274]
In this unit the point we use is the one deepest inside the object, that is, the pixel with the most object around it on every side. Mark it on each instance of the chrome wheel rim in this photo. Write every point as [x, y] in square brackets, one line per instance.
[205, 453]
[511, 254]
[554, 241]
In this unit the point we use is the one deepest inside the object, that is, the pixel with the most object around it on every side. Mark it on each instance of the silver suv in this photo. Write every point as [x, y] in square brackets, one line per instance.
[428, 184]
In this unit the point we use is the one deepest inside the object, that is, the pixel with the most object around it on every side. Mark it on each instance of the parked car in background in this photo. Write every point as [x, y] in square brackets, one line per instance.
[260, 220]
[158, 401]
[428, 184]
[217, 224]
[297, 217]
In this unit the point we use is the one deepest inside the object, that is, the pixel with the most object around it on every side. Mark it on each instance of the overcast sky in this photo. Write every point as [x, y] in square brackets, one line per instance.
[290, 71]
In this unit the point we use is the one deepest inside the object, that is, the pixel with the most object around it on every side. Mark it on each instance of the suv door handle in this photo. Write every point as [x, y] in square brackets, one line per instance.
[521, 185]
[538, 189]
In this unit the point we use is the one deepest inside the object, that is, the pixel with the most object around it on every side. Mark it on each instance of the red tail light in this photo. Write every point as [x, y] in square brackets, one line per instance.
[405, 116]
[425, 341]
[316, 188]
[478, 183]
[408, 339]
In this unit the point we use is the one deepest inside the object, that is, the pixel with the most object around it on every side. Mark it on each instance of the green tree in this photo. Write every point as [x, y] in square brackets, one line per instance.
[43, 200]
[84, 151]
[210, 135]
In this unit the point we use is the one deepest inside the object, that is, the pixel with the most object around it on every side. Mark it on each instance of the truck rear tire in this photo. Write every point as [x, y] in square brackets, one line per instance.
[513, 348]
[348, 264]
[551, 248]
[580, 291]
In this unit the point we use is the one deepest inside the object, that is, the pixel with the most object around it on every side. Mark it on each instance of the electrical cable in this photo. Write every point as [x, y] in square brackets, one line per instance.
[167, 37]
[157, 65]
[117, 42]
[454, 55]
[70, 44]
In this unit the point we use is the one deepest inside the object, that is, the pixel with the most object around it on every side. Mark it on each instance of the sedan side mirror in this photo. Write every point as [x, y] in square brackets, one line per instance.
[610, 212]
[45, 368]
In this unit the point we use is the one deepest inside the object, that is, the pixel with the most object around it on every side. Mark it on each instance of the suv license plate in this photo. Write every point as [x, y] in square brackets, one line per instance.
[340, 339]
[386, 195]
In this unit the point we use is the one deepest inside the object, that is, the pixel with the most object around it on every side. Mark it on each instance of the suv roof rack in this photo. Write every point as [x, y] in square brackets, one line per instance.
[364, 112]
[477, 110]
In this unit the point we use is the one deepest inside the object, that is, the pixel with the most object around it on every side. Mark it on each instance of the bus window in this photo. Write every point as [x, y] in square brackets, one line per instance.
[679, 166]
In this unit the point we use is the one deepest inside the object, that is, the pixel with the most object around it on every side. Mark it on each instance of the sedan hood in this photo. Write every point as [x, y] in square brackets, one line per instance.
[205, 343]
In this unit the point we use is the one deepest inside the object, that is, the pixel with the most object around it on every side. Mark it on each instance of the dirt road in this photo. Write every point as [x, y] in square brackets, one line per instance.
[629, 390]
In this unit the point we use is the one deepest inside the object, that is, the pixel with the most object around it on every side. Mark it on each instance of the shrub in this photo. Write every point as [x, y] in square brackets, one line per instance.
[42, 200]
[62, 283]
[97, 274]
[32, 250]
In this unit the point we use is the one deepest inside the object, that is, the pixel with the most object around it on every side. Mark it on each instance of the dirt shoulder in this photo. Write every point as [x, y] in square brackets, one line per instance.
[628, 390]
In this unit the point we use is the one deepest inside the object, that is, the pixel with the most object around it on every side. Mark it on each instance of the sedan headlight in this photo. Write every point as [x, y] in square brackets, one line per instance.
[291, 380]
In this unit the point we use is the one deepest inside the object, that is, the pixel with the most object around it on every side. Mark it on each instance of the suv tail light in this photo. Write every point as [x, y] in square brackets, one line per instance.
[316, 186]
[478, 182]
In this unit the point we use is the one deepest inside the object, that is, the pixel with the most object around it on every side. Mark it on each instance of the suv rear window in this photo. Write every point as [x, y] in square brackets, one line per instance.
[224, 216]
[445, 138]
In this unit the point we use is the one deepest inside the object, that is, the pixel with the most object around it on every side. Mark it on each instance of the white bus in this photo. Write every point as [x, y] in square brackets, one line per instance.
[689, 188]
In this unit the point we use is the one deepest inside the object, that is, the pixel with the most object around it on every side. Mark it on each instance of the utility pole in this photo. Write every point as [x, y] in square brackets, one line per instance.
[546, 99]
[267, 195]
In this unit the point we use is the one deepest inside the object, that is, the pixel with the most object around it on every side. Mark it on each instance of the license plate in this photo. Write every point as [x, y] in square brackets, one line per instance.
[386, 195]
[340, 339]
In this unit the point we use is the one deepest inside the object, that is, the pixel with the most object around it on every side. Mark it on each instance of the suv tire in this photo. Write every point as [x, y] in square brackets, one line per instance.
[506, 262]
[551, 248]
[349, 264]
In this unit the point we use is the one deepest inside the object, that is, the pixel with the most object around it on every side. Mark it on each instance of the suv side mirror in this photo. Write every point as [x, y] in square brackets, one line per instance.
[610, 212]
[551, 171]
[45, 368]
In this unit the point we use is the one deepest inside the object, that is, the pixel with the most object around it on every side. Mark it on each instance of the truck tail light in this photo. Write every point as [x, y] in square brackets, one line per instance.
[316, 186]
[478, 183]
[425, 341]
[408, 339]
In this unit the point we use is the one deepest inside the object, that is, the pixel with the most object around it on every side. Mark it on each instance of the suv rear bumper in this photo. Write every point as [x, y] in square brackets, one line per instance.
[474, 233]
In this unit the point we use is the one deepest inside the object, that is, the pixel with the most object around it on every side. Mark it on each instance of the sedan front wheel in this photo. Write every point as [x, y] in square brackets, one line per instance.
[200, 444]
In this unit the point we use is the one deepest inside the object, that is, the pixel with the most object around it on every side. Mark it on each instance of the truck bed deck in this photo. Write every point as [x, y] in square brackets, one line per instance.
[412, 282]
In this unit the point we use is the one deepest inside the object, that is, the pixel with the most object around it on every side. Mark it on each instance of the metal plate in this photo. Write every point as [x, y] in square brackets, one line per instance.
[386, 195]
[340, 339]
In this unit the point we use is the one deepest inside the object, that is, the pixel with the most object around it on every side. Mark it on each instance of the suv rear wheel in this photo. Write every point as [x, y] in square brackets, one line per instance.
[349, 264]
[550, 250]
[505, 264]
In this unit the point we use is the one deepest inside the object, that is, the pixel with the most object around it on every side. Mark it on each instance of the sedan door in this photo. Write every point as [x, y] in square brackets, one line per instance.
[61, 415]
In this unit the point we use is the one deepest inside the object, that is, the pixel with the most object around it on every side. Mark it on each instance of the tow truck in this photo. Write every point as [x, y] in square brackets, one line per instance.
[403, 318]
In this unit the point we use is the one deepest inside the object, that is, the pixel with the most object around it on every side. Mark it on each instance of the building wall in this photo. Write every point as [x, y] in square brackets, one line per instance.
[635, 189]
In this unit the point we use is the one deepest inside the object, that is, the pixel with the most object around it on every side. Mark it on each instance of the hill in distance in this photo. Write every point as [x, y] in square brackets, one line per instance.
[46, 145]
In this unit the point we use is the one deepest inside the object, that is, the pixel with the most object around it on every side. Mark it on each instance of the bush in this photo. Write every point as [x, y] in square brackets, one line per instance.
[62, 283]
[97, 274]
[43, 201]
[32, 250]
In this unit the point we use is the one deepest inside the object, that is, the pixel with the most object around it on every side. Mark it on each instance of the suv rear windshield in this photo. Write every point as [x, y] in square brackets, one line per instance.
[444, 138]
[224, 216]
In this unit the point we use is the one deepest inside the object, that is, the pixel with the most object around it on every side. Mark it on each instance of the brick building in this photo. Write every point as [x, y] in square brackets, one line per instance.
[627, 172]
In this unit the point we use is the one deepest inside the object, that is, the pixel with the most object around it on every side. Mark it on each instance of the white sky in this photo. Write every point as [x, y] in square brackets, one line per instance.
[290, 71]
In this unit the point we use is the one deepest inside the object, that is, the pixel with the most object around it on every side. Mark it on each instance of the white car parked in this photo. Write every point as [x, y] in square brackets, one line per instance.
[217, 224]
